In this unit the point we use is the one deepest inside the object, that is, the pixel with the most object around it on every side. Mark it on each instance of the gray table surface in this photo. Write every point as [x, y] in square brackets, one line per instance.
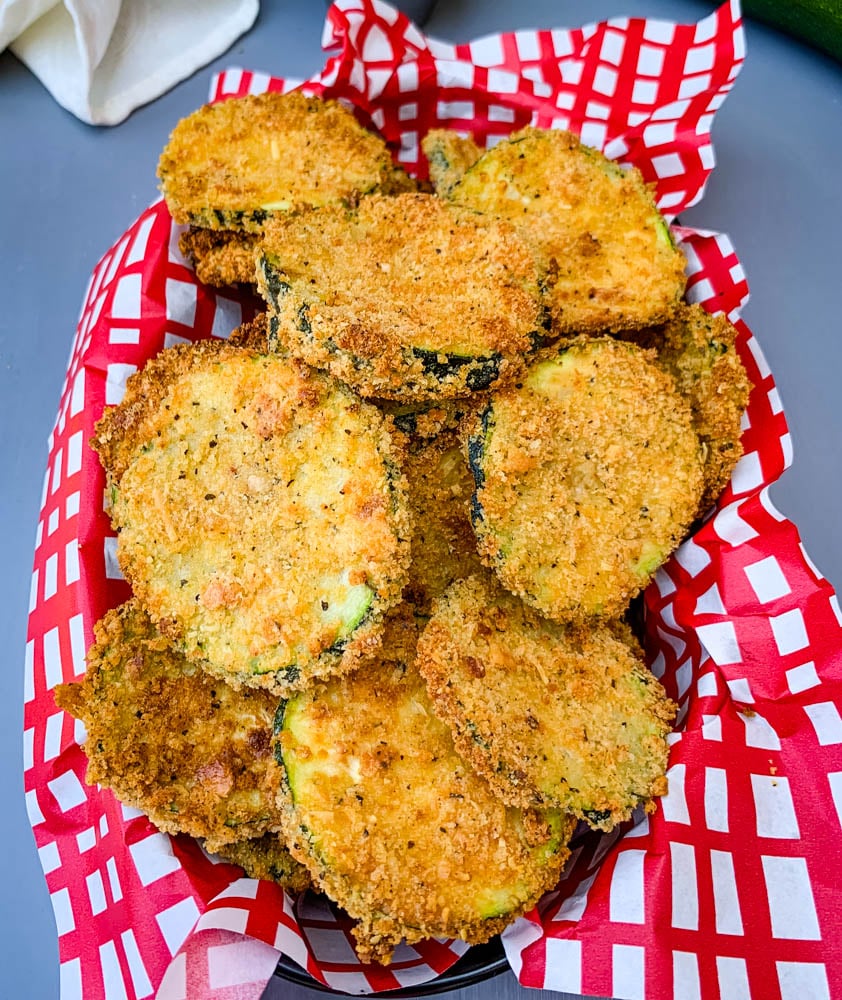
[68, 190]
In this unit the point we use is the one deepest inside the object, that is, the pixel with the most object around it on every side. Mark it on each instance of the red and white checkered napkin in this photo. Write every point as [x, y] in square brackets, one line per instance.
[727, 890]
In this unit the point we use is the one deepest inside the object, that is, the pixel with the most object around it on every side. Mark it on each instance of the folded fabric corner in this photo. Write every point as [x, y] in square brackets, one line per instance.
[101, 59]
[17, 15]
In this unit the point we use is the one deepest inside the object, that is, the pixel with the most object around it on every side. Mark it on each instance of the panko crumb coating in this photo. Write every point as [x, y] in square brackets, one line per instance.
[699, 351]
[449, 155]
[236, 163]
[185, 748]
[267, 858]
[393, 825]
[613, 263]
[444, 546]
[405, 297]
[261, 512]
[253, 335]
[221, 257]
[425, 420]
[587, 476]
[556, 715]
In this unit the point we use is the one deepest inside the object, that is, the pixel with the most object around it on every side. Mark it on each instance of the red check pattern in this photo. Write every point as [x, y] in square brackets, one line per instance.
[728, 889]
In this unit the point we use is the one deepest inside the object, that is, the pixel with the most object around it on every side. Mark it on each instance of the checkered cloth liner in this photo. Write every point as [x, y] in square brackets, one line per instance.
[728, 890]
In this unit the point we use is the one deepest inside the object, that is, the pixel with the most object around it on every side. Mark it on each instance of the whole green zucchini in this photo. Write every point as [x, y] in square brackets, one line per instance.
[817, 22]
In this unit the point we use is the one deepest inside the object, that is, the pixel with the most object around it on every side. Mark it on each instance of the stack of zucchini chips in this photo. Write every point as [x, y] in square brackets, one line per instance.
[382, 541]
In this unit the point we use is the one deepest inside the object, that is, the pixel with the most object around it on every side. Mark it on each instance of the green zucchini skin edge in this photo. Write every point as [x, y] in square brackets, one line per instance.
[290, 673]
[233, 218]
[277, 729]
[275, 285]
[273, 336]
[340, 643]
[476, 456]
[596, 817]
[482, 373]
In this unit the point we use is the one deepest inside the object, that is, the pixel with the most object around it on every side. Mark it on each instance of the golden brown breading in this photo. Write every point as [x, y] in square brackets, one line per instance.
[404, 298]
[588, 475]
[393, 825]
[220, 256]
[444, 547]
[427, 419]
[549, 714]
[261, 513]
[699, 351]
[613, 262]
[252, 335]
[233, 164]
[188, 750]
[449, 155]
[267, 858]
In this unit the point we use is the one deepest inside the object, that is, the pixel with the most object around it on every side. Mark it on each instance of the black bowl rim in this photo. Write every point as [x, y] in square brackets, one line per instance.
[480, 962]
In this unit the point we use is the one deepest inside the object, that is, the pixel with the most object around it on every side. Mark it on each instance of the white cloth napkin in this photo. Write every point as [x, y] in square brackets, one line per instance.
[101, 59]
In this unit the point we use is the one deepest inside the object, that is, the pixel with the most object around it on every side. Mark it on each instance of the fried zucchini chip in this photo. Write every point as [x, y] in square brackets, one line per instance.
[261, 512]
[431, 417]
[267, 858]
[614, 265]
[393, 825]
[449, 155]
[233, 164]
[699, 351]
[187, 749]
[444, 547]
[554, 715]
[405, 298]
[220, 257]
[587, 476]
[252, 335]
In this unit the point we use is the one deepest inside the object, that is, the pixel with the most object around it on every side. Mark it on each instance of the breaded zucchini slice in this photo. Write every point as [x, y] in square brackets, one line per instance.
[429, 418]
[252, 335]
[404, 298]
[233, 164]
[449, 155]
[220, 257]
[587, 476]
[555, 715]
[187, 749]
[444, 547]
[699, 351]
[261, 512]
[393, 825]
[267, 858]
[613, 261]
